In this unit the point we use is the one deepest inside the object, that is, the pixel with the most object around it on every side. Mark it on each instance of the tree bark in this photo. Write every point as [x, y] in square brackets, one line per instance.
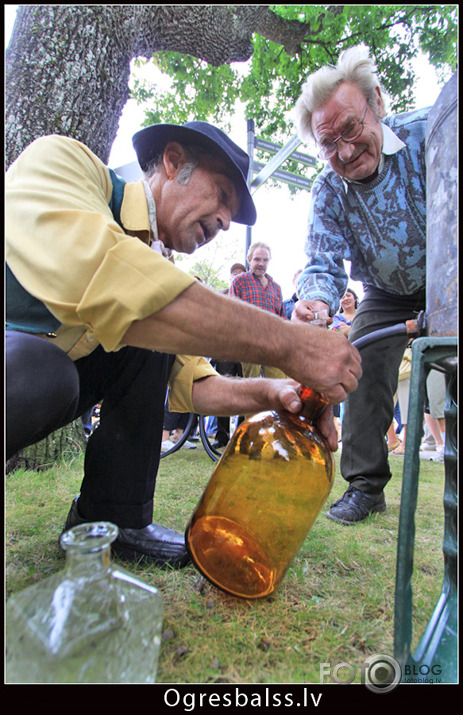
[67, 72]
[68, 66]
[62, 444]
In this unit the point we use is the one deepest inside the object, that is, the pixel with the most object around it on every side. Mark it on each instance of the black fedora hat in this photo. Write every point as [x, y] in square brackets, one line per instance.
[150, 141]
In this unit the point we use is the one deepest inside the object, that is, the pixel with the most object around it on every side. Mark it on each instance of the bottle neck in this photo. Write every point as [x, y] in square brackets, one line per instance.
[88, 547]
[313, 404]
[95, 563]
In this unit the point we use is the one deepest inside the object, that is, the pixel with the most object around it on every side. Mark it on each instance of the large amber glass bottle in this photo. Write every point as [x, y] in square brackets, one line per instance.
[262, 499]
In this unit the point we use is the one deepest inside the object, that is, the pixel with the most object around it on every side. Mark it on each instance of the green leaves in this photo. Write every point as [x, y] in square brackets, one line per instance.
[269, 84]
[197, 91]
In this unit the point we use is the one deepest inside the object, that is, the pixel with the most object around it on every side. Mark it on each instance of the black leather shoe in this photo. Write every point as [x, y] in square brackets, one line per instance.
[154, 543]
[219, 445]
[354, 506]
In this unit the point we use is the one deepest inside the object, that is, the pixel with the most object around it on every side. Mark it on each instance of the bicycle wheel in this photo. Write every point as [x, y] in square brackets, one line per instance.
[213, 453]
[183, 438]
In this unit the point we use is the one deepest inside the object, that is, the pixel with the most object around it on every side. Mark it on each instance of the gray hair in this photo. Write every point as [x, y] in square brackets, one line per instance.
[184, 176]
[258, 244]
[354, 65]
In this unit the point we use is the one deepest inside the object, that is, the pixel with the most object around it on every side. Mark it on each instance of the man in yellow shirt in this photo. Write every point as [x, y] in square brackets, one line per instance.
[96, 312]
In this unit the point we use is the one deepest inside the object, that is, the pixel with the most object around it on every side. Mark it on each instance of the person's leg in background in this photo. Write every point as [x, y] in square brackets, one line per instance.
[435, 410]
[228, 369]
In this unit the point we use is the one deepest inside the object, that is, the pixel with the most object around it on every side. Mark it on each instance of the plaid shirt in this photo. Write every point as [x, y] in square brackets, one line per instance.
[249, 288]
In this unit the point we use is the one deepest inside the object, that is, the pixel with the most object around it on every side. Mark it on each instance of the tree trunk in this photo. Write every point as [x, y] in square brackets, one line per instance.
[62, 444]
[68, 67]
[67, 73]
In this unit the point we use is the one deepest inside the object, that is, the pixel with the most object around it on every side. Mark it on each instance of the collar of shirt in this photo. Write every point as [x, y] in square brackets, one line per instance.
[156, 244]
[391, 145]
[138, 215]
[269, 278]
[251, 273]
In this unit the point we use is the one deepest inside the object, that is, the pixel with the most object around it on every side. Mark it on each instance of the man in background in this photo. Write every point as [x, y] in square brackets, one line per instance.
[257, 287]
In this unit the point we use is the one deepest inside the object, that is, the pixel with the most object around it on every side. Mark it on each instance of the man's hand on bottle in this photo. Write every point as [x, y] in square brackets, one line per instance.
[321, 359]
[284, 394]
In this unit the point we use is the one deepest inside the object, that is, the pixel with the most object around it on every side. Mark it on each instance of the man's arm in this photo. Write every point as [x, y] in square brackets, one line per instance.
[219, 395]
[200, 322]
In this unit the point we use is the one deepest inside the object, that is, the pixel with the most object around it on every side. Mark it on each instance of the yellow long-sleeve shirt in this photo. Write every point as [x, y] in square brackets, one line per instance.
[65, 248]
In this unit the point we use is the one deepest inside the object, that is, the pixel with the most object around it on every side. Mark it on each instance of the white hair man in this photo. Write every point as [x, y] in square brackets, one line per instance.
[368, 207]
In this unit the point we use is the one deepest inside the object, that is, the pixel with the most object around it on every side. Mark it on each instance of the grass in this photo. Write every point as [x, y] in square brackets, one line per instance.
[336, 603]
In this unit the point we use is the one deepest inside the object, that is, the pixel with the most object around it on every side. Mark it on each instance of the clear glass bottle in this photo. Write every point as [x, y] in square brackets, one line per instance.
[90, 623]
[262, 499]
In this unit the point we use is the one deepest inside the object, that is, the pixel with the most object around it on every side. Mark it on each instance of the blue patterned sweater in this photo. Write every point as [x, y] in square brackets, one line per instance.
[380, 227]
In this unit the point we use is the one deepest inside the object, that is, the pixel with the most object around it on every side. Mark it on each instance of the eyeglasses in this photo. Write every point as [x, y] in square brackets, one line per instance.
[350, 134]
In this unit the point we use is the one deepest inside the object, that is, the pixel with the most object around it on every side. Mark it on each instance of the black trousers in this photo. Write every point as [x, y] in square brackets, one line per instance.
[45, 390]
[369, 410]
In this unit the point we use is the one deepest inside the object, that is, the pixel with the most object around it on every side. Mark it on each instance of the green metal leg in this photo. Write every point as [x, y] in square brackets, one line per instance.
[438, 645]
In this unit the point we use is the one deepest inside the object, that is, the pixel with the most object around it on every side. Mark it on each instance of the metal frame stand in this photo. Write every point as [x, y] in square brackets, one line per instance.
[439, 643]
